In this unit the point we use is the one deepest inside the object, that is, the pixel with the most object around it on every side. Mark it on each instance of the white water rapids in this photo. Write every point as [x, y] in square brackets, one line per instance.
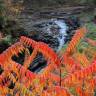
[62, 32]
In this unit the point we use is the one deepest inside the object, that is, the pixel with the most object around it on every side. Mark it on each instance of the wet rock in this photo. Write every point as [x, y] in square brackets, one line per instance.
[73, 22]
[55, 30]
[46, 38]
[38, 63]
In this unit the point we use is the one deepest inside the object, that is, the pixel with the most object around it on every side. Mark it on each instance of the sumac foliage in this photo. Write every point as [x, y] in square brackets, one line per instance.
[72, 74]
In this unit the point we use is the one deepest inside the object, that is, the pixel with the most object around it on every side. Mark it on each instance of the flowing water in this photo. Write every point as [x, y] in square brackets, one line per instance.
[60, 33]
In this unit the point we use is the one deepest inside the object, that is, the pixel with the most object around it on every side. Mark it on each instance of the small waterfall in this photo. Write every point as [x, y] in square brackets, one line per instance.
[62, 33]
[56, 29]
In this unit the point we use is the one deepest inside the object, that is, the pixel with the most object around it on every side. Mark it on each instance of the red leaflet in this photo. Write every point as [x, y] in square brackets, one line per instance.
[76, 39]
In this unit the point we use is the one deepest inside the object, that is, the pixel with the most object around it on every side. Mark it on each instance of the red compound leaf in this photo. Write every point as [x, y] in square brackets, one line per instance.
[11, 51]
[70, 63]
[75, 40]
[81, 74]
[43, 48]
[82, 59]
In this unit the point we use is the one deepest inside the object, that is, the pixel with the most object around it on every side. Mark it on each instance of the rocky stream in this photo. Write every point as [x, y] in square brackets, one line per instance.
[54, 31]
[54, 27]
